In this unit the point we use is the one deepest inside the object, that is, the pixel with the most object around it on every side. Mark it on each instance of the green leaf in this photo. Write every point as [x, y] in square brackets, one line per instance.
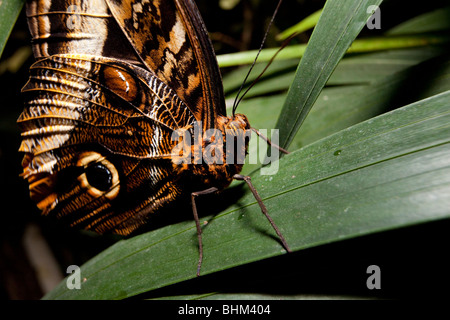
[341, 106]
[342, 22]
[247, 57]
[395, 42]
[258, 296]
[361, 87]
[360, 69]
[306, 24]
[9, 11]
[358, 46]
[388, 172]
[374, 67]
[437, 20]
[233, 80]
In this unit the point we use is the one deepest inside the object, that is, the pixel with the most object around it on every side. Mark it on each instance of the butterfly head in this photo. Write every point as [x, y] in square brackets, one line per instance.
[235, 136]
[234, 123]
[236, 133]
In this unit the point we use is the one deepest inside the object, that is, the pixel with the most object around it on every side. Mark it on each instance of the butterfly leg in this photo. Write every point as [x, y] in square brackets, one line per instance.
[197, 223]
[247, 179]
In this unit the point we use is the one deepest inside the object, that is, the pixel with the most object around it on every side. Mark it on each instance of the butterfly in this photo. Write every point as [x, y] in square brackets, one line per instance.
[117, 108]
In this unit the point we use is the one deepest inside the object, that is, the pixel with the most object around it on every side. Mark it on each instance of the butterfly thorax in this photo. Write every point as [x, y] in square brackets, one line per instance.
[213, 159]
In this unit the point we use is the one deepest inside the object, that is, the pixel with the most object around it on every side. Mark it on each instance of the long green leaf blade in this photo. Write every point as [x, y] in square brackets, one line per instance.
[340, 23]
[388, 172]
[306, 24]
[9, 11]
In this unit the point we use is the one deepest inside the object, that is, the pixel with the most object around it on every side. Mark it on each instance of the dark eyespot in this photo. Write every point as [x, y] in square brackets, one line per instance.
[99, 176]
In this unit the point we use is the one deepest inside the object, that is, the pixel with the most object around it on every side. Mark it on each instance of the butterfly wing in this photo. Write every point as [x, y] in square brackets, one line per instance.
[83, 27]
[97, 137]
[113, 80]
[172, 41]
[167, 36]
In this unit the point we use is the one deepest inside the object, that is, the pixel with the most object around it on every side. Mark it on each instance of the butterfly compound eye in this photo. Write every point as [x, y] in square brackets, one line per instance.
[99, 177]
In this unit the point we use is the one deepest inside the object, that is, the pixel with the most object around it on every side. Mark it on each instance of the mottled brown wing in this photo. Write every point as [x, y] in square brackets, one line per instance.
[170, 38]
[97, 136]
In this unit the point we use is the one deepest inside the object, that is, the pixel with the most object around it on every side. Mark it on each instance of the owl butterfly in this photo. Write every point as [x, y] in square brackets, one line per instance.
[114, 83]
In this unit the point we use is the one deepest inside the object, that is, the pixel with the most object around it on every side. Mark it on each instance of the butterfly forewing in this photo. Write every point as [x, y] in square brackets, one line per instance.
[81, 27]
[167, 36]
[170, 38]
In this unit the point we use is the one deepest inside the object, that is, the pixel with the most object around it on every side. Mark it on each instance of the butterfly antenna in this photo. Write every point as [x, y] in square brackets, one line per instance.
[285, 43]
[237, 99]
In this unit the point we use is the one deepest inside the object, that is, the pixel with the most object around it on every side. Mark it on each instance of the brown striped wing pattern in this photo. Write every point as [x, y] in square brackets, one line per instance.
[167, 36]
[79, 117]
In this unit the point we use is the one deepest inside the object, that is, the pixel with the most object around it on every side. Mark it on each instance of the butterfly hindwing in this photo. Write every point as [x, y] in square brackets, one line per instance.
[83, 110]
